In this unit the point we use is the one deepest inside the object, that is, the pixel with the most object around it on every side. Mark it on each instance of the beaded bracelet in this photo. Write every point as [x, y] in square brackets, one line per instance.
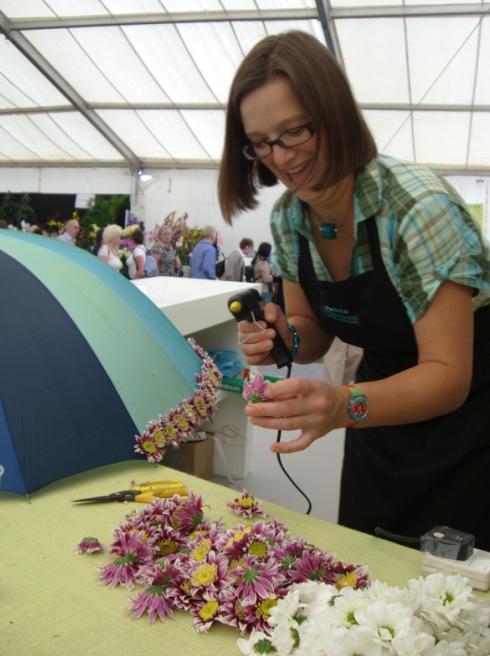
[294, 350]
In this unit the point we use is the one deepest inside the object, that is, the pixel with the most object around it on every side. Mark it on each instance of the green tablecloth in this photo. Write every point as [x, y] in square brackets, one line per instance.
[51, 602]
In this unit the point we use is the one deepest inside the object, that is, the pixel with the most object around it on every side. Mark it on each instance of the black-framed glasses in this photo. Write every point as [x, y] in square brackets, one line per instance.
[289, 139]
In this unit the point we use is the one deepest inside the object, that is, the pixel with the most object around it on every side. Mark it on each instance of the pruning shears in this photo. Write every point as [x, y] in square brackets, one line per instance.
[142, 492]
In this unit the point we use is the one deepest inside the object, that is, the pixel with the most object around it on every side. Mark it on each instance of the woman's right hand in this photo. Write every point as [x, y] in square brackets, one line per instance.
[256, 339]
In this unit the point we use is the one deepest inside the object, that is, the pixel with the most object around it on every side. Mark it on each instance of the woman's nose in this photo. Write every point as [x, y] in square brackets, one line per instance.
[282, 155]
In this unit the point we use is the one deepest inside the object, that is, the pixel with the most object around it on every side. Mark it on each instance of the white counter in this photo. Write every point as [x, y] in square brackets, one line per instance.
[199, 308]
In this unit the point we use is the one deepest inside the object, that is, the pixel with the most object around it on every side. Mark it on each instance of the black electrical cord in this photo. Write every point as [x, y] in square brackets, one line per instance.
[399, 539]
[278, 439]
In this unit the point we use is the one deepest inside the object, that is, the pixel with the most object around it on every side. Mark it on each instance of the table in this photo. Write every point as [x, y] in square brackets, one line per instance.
[52, 603]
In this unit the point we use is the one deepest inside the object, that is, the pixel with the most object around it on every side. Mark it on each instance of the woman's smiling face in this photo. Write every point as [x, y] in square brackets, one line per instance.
[267, 113]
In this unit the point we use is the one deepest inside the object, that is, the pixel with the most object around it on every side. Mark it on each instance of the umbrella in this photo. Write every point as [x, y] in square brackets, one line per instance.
[86, 360]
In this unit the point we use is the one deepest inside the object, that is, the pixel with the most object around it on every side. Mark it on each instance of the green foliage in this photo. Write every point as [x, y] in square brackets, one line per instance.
[14, 211]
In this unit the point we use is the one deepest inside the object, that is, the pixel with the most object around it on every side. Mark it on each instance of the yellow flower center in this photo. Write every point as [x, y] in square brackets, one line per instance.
[159, 437]
[236, 537]
[182, 422]
[263, 608]
[258, 549]
[149, 446]
[201, 550]
[170, 429]
[348, 580]
[246, 502]
[240, 613]
[166, 547]
[209, 610]
[204, 575]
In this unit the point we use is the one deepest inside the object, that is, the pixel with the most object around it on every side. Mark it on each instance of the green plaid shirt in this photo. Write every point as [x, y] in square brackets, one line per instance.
[426, 233]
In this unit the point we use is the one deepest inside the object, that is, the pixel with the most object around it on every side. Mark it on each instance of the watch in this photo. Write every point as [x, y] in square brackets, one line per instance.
[357, 407]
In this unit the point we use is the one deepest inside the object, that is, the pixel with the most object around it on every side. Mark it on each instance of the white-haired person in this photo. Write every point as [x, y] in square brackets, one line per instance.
[109, 250]
[203, 256]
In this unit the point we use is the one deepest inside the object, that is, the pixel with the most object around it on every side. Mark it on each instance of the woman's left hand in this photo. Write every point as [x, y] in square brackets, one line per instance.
[309, 405]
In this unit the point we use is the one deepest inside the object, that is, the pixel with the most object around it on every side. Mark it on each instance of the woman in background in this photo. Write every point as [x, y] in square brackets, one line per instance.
[109, 249]
[136, 261]
[169, 263]
[263, 270]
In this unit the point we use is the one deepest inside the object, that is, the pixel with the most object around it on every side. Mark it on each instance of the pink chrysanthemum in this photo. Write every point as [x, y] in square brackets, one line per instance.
[189, 514]
[132, 553]
[158, 599]
[205, 614]
[254, 388]
[89, 545]
[246, 505]
[153, 602]
[313, 565]
[255, 580]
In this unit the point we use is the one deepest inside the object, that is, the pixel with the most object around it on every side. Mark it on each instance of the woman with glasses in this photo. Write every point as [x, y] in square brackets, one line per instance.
[384, 255]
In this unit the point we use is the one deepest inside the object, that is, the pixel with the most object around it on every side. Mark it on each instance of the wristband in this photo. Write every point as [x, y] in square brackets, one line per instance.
[357, 407]
[294, 350]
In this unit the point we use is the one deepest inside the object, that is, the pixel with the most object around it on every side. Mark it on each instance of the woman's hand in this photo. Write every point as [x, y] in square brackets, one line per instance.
[309, 405]
[256, 339]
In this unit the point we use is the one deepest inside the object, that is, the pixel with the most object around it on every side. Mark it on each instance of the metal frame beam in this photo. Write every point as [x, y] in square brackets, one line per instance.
[217, 106]
[51, 74]
[149, 164]
[155, 19]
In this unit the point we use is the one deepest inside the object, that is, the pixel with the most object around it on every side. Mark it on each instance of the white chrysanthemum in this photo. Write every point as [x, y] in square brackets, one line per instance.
[311, 592]
[444, 648]
[391, 594]
[285, 637]
[346, 605]
[358, 641]
[285, 609]
[410, 642]
[385, 620]
[247, 647]
[444, 601]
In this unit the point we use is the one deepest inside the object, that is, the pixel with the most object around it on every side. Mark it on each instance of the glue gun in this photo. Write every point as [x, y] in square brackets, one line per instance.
[248, 305]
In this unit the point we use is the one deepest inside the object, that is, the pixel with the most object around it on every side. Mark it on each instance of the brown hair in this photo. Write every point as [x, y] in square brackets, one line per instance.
[246, 242]
[317, 79]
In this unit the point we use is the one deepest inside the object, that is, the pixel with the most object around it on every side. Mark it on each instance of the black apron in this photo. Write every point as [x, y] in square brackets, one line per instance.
[408, 478]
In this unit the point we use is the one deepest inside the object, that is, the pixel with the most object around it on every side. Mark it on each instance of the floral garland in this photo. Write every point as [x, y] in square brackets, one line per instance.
[187, 417]
[231, 576]
[435, 616]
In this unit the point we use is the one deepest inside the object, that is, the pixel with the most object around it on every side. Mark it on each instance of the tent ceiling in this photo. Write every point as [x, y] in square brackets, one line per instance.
[144, 83]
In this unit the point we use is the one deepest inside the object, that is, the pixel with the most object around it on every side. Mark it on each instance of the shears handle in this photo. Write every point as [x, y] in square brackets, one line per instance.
[150, 492]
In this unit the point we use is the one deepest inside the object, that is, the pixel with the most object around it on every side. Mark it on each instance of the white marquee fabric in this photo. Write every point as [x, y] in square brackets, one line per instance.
[143, 83]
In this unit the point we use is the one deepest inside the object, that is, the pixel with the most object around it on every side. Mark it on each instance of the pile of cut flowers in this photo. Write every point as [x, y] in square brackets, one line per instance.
[180, 560]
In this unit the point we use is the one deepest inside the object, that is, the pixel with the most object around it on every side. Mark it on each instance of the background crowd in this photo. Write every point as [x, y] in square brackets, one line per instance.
[173, 249]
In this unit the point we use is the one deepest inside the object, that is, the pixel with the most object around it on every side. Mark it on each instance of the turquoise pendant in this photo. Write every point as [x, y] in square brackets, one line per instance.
[328, 230]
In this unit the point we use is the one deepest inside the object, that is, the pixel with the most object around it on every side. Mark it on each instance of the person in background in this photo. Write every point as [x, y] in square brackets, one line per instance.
[70, 233]
[203, 255]
[169, 263]
[109, 250]
[35, 230]
[263, 270]
[385, 255]
[235, 262]
[97, 241]
[152, 261]
[136, 260]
